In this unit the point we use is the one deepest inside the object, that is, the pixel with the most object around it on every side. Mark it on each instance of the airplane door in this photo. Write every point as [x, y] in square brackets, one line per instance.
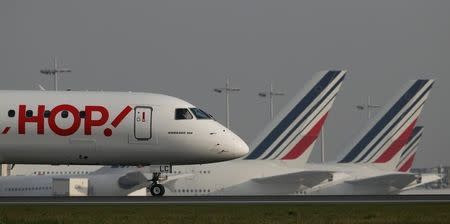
[142, 123]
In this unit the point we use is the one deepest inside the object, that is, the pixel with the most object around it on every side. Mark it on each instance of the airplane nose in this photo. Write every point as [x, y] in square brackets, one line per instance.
[234, 145]
[241, 147]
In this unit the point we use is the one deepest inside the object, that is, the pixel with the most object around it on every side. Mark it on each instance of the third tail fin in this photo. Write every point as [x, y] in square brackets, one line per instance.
[409, 151]
[382, 141]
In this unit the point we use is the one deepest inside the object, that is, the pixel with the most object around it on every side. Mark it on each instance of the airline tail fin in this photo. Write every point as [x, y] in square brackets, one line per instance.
[291, 135]
[409, 151]
[382, 141]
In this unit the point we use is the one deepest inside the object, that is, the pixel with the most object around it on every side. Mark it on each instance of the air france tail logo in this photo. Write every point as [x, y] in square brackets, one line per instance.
[88, 115]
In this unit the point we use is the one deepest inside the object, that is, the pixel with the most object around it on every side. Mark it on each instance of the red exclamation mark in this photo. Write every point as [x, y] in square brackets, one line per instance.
[5, 131]
[143, 117]
[108, 132]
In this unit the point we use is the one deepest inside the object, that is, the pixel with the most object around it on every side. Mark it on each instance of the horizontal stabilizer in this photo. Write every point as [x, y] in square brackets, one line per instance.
[424, 179]
[305, 178]
[397, 180]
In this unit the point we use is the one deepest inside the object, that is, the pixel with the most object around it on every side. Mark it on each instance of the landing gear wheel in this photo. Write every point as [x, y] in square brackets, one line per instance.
[157, 190]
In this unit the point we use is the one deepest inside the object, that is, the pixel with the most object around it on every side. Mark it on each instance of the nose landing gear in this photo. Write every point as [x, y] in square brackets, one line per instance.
[156, 189]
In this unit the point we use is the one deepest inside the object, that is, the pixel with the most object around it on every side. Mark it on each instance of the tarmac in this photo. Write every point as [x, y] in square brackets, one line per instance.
[444, 198]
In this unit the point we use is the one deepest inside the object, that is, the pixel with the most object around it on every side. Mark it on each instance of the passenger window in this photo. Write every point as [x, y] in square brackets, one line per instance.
[82, 114]
[64, 114]
[11, 113]
[47, 114]
[29, 113]
[182, 114]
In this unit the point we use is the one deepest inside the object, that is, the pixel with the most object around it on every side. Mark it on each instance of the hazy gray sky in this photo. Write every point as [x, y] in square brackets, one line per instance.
[186, 48]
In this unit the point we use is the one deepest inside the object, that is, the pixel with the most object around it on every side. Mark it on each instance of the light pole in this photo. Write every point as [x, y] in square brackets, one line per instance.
[368, 106]
[322, 144]
[271, 93]
[227, 91]
[55, 71]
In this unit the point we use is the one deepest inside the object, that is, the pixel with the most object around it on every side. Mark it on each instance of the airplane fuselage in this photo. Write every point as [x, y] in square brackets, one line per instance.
[48, 127]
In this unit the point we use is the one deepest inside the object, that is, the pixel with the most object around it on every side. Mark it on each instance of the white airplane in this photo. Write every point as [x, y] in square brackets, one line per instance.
[283, 146]
[110, 128]
[370, 166]
[49, 127]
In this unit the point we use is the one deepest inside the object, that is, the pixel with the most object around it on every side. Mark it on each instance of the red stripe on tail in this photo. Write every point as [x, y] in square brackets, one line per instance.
[307, 140]
[397, 144]
[408, 164]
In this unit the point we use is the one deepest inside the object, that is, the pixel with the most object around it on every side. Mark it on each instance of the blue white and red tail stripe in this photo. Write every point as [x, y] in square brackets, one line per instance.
[392, 129]
[291, 135]
[409, 151]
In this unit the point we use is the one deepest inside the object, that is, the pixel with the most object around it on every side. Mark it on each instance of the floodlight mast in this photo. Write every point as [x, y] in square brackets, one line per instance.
[55, 71]
[369, 107]
[227, 91]
[271, 93]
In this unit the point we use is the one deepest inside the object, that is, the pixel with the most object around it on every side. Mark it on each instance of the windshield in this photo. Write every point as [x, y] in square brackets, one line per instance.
[200, 114]
[182, 114]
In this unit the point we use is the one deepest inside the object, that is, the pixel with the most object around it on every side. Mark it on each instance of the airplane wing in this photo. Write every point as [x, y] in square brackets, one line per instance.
[424, 179]
[133, 180]
[397, 180]
[305, 178]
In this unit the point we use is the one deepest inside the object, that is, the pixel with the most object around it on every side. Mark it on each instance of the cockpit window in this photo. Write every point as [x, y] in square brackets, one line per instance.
[200, 114]
[182, 114]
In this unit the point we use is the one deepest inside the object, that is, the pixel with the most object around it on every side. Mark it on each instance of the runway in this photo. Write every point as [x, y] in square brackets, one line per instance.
[231, 199]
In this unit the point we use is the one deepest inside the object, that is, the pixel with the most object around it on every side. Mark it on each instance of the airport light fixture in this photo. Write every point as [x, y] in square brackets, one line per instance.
[55, 71]
[322, 144]
[270, 94]
[227, 91]
[368, 106]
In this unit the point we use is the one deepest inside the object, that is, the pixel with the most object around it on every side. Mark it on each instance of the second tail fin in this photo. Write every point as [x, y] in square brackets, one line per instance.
[291, 135]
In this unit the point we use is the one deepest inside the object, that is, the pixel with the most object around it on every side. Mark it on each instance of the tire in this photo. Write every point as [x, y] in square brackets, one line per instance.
[157, 190]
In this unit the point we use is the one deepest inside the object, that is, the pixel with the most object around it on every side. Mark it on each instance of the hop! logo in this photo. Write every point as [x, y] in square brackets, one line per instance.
[89, 121]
